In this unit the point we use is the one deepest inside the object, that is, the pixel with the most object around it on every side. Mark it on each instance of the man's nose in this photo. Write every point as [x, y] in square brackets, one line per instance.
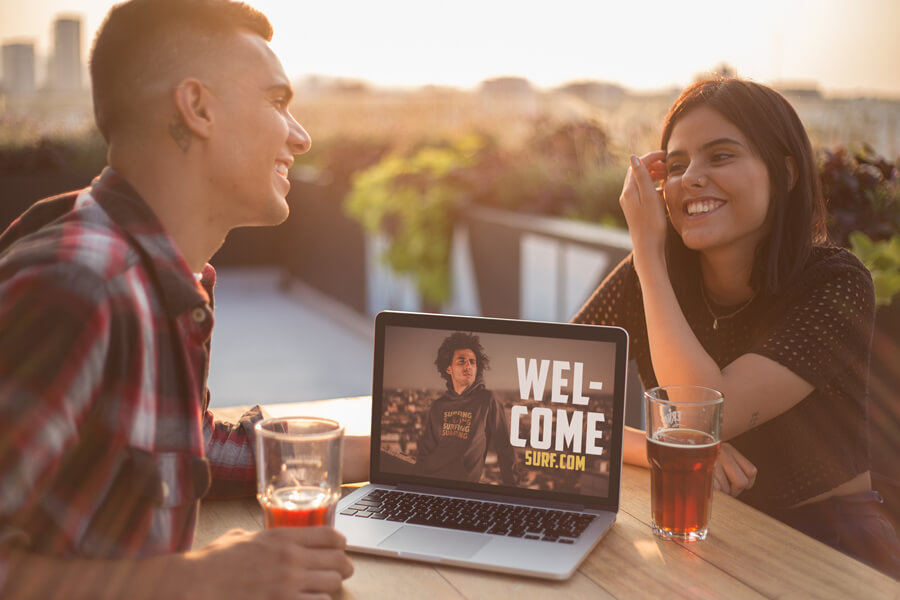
[299, 139]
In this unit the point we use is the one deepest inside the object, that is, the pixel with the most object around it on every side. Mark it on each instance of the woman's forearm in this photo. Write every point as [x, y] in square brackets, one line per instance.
[676, 353]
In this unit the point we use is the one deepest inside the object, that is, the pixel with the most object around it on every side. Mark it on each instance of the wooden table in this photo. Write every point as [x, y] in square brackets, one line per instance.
[747, 554]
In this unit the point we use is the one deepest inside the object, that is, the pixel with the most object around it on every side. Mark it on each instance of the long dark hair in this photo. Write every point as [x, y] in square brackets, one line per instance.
[796, 207]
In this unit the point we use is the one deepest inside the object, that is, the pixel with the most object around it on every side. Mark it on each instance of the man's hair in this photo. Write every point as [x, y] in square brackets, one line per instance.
[142, 40]
[460, 341]
[796, 208]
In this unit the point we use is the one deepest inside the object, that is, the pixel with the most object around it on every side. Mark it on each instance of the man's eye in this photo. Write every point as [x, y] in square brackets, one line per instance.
[280, 103]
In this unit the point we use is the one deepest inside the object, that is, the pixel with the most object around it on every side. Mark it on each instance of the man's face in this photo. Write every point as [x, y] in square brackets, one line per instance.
[463, 369]
[255, 138]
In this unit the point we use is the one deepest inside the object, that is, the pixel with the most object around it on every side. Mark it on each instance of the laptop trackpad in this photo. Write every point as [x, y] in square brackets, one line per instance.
[421, 540]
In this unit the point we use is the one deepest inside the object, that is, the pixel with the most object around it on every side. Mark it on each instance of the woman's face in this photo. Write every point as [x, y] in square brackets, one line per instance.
[717, 187]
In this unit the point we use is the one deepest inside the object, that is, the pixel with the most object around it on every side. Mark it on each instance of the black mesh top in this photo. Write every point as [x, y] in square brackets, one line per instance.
[819, 326]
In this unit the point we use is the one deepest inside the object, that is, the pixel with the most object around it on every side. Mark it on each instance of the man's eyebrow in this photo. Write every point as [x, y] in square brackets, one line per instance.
[282, 89]
[707, 145]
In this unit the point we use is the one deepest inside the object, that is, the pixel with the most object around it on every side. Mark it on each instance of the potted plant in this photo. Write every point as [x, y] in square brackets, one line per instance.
[862, 190]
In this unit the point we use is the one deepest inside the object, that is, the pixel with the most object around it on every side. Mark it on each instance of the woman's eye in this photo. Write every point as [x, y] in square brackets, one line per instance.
[721, 156]
[280, 103]
[674, 168]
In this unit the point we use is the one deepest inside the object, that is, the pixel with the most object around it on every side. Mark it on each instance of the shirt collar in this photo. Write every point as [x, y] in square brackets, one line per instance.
[179, 288]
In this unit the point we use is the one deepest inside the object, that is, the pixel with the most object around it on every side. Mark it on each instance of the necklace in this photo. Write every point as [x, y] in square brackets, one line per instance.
[717, 318]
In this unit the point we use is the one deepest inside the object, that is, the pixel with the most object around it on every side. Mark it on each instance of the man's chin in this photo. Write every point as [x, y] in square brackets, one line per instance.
[279, 212]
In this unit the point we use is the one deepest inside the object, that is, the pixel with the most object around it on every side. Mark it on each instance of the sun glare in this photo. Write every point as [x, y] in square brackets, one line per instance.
[840, 46]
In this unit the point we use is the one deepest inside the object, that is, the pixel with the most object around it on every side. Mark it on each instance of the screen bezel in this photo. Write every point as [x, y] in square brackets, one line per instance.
[598, 333]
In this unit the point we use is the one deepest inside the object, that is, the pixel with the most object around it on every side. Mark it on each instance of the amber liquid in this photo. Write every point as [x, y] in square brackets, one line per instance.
[681, 463]
[298, 507]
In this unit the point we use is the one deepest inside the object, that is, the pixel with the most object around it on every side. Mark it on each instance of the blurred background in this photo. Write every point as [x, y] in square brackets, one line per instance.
[468, 158]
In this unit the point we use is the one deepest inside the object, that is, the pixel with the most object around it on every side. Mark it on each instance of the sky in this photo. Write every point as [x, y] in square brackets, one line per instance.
[844, 47]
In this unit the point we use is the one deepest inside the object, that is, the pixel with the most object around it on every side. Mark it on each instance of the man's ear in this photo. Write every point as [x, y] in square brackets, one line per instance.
[791, 171]
[192, 106]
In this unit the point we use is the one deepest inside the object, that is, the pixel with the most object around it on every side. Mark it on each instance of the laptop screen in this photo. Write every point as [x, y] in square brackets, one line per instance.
[506, 407]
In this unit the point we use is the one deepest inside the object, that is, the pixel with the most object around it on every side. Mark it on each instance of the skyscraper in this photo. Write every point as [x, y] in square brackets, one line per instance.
[65, 63]
[18, 69]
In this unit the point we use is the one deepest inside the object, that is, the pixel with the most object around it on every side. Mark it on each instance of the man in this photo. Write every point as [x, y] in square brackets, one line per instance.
[467, 420]
[106, 316]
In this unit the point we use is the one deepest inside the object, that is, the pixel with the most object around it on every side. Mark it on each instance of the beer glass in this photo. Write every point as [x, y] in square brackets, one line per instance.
[683, 438]
[298, 470]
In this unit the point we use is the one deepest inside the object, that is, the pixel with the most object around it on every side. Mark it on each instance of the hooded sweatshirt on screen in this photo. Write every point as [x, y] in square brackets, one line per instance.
[459, 430]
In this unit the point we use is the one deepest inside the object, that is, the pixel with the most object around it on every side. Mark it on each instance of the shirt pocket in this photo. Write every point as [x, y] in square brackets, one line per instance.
[139, 514]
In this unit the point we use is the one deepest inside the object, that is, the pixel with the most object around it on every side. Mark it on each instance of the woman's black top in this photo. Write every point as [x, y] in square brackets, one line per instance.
[819, 327]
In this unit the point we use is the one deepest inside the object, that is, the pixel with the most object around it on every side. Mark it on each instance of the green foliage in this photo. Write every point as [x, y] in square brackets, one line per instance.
[862, 191]
[26, 148]
[410, 198]
[882, 258]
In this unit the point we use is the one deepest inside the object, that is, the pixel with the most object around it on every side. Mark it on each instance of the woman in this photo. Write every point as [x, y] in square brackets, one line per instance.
[732, 285]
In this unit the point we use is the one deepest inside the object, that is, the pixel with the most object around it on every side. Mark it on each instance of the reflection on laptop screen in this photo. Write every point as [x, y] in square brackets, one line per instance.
[499, 409]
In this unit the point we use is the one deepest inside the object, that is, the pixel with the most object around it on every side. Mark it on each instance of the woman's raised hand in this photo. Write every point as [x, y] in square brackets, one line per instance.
[643, 205]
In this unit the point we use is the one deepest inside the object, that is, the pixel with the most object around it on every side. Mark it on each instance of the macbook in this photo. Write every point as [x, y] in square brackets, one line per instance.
[496, 443]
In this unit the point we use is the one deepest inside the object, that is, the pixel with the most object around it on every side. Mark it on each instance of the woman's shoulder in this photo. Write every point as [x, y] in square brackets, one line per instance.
[834, 262]
[830, 272]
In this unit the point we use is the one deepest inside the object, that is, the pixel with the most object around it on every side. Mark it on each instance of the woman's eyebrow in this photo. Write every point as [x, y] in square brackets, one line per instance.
[706, 146]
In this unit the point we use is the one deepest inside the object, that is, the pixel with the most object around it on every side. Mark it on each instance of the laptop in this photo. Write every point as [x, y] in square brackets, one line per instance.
[496, 443]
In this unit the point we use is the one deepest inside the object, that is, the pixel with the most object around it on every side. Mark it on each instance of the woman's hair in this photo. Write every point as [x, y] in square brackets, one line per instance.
[460, 341]
[796, 207]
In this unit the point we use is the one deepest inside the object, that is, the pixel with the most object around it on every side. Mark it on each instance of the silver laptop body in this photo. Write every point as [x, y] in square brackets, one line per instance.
[531, 417]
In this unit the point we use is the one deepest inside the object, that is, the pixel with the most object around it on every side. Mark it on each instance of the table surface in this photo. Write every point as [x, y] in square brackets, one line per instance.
[747, 554]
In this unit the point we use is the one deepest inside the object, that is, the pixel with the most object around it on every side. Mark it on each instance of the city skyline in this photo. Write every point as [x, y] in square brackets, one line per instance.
[839, 47]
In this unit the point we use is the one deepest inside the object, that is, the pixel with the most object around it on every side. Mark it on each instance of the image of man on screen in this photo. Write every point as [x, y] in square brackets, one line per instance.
[467, 420]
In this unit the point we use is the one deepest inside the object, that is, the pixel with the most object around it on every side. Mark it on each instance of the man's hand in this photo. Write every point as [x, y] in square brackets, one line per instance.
[286, 562]
[733, 473]
[289, 562]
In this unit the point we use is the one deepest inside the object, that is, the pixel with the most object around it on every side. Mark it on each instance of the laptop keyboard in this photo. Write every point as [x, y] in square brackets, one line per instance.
[543, 524]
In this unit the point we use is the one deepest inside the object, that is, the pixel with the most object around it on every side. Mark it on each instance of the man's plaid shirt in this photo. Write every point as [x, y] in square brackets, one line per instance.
[106, 443]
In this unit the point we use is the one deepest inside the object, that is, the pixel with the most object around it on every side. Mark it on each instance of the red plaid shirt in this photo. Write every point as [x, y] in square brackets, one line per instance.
[106, 443]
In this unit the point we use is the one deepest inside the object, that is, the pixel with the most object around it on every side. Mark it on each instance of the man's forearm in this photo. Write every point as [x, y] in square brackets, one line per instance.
[38, 577]
[634, 450]
[356, 458]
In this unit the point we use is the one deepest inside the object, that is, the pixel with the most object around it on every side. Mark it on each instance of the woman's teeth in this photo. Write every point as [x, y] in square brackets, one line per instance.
[281, 169]
[702, 206]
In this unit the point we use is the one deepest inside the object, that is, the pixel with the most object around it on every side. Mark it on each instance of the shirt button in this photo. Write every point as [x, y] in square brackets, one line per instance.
[199, 315]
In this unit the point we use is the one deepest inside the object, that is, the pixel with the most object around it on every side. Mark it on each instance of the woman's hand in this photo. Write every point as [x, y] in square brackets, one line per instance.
[733, 472]
[644, 207]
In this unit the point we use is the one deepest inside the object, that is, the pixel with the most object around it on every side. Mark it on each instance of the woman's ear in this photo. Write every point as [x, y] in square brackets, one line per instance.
[791, 171]
[192, 107]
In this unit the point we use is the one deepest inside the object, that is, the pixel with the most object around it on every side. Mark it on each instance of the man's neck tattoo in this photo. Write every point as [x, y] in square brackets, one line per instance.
[180, 133]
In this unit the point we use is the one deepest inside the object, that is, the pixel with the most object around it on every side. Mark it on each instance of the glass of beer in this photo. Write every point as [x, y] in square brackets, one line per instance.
[683, 438]
[298, 470]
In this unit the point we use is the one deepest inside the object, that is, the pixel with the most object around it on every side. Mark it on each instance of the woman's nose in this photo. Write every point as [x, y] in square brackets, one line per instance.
[693, 176]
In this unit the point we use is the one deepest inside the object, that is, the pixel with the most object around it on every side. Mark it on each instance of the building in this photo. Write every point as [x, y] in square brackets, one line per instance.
[18, 69]
[65, 62]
